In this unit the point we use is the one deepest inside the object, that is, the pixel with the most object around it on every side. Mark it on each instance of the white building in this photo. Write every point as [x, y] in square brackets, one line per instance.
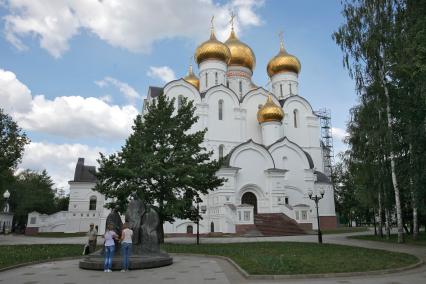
[270, 142]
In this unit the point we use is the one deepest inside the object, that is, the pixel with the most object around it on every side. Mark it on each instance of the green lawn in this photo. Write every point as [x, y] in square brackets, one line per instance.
[343, 230]
[12, 255]
[394, 239]
[59, 235]
[298, 258]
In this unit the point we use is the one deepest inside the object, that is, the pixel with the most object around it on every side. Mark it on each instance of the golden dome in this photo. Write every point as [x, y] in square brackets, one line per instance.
[192, 79]
[241, 53]
[212, 49]
[270, 112]
[283, 62]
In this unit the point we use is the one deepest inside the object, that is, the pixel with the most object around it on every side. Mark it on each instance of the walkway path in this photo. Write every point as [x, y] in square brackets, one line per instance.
[197, 270]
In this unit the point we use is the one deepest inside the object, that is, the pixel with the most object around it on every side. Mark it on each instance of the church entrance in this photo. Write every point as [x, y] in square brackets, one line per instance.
[250, 198]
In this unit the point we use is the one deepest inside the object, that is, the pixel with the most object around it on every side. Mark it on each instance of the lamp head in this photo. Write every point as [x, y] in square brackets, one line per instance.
[322, 191]
[310, 192]
[6, 194]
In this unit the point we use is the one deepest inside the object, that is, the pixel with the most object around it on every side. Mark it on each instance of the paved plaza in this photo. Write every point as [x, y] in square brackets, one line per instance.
[197, 269]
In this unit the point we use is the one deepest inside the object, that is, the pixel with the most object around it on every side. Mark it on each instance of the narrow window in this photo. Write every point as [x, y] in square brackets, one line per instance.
[221, 151]
[259, 106]
[241, 87]
[92, 203]
[227, 83]
[215, 78]
[281, 90]
[295, 118]
[212, 227]
[220, 105]
[179, 101]
[207, 81]
[286, 200]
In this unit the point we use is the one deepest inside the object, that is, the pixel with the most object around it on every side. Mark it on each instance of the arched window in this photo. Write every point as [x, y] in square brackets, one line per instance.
[92, 203]
[212, 227]
[241, 87]
[215, 78]
[281, 90]
[221, 147]
[295, 118]
[227, 83]
[189, 229]
[220, 107]
[207, 81]
[179, 101]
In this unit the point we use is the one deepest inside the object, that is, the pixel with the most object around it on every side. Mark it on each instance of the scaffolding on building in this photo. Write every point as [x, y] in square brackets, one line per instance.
[326, 140]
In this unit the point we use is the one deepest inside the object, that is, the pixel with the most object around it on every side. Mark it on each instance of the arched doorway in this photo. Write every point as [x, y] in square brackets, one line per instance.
[250, 198]
[189, 229]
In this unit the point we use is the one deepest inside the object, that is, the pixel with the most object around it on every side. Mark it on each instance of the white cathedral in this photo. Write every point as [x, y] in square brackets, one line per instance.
[270, 141]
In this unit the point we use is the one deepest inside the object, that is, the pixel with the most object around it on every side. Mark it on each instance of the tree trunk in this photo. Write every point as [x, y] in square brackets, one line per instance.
[393, 166]
[380, 216]
[413, 197]
[387, 223]
[374, 222]
[161, 232]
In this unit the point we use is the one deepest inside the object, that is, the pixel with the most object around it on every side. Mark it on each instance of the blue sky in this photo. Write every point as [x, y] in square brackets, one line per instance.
[69, 51]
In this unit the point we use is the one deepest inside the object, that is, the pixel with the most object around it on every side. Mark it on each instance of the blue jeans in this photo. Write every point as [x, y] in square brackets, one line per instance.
[109, 254]
[126, 251]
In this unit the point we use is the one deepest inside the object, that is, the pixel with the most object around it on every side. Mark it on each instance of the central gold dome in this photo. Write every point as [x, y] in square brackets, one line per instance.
[283, 62]
[270, 112]
[212, 49]
[241, 53]
[192, 79]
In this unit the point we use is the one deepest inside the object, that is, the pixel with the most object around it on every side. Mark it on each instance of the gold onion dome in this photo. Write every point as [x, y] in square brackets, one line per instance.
[270, 112]
[192, 79]
[283, 62]
[212, 49]
[241, 53]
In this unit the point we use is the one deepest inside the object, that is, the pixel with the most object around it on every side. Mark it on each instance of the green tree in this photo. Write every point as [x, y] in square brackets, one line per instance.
[32, 191]
[367, 39]
[12, 142]
[163, 163]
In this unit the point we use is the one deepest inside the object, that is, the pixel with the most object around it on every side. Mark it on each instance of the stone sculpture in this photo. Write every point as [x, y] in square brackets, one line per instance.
[144, 221]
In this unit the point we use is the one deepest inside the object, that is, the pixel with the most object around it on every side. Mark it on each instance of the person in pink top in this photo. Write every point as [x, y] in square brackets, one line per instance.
[109, 236]
[126, 246]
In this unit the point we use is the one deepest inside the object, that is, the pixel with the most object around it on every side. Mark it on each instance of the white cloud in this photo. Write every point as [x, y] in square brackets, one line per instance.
[129, 92]
[58, 159]
[133, 24]
[339, 133]
[164, 73]
[67, 116]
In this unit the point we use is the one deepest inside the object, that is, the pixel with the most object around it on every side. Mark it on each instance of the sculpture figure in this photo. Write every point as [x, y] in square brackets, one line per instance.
[144, 221]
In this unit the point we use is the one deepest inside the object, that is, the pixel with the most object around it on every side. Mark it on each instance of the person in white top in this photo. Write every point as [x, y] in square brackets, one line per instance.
[109, 237]
[126, 246]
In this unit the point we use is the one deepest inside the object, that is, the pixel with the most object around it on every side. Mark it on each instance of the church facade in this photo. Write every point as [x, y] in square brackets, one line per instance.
[269, 140]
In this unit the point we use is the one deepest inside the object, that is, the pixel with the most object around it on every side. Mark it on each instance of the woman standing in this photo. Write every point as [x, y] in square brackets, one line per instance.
[126, 246]
[109, 236]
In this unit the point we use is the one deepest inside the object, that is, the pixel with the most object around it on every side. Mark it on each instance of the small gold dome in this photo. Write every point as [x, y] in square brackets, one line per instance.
[241, 53]
[192, 79]
[212, 49]
[270, 112]
[283, 62]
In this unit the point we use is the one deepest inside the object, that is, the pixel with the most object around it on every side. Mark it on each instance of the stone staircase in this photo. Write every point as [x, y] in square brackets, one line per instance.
[274, 224]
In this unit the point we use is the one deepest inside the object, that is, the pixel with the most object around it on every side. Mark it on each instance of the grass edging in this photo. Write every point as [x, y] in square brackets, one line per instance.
[38, 262]
[305, 276]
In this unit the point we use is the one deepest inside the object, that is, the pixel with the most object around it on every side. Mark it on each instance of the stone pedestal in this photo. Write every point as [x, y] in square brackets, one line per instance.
[95, 261]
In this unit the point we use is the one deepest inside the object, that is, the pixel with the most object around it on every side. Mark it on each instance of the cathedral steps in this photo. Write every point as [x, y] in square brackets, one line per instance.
[277, 224]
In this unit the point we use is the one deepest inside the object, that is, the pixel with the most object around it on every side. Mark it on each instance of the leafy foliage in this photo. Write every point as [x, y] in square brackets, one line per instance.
[163, 163]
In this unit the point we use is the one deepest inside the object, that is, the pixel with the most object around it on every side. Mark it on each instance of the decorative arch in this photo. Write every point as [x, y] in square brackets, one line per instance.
[169, 87]
[213, 90]
[256, 92]
[285, 142]
[250, 145]
[301, 103]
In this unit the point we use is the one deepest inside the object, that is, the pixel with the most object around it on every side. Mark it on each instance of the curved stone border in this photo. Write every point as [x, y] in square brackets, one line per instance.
[307, 276]
[38, 262]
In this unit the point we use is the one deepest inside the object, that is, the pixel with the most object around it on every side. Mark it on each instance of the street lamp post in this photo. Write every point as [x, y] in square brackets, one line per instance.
[198, 223]
[317, 198]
